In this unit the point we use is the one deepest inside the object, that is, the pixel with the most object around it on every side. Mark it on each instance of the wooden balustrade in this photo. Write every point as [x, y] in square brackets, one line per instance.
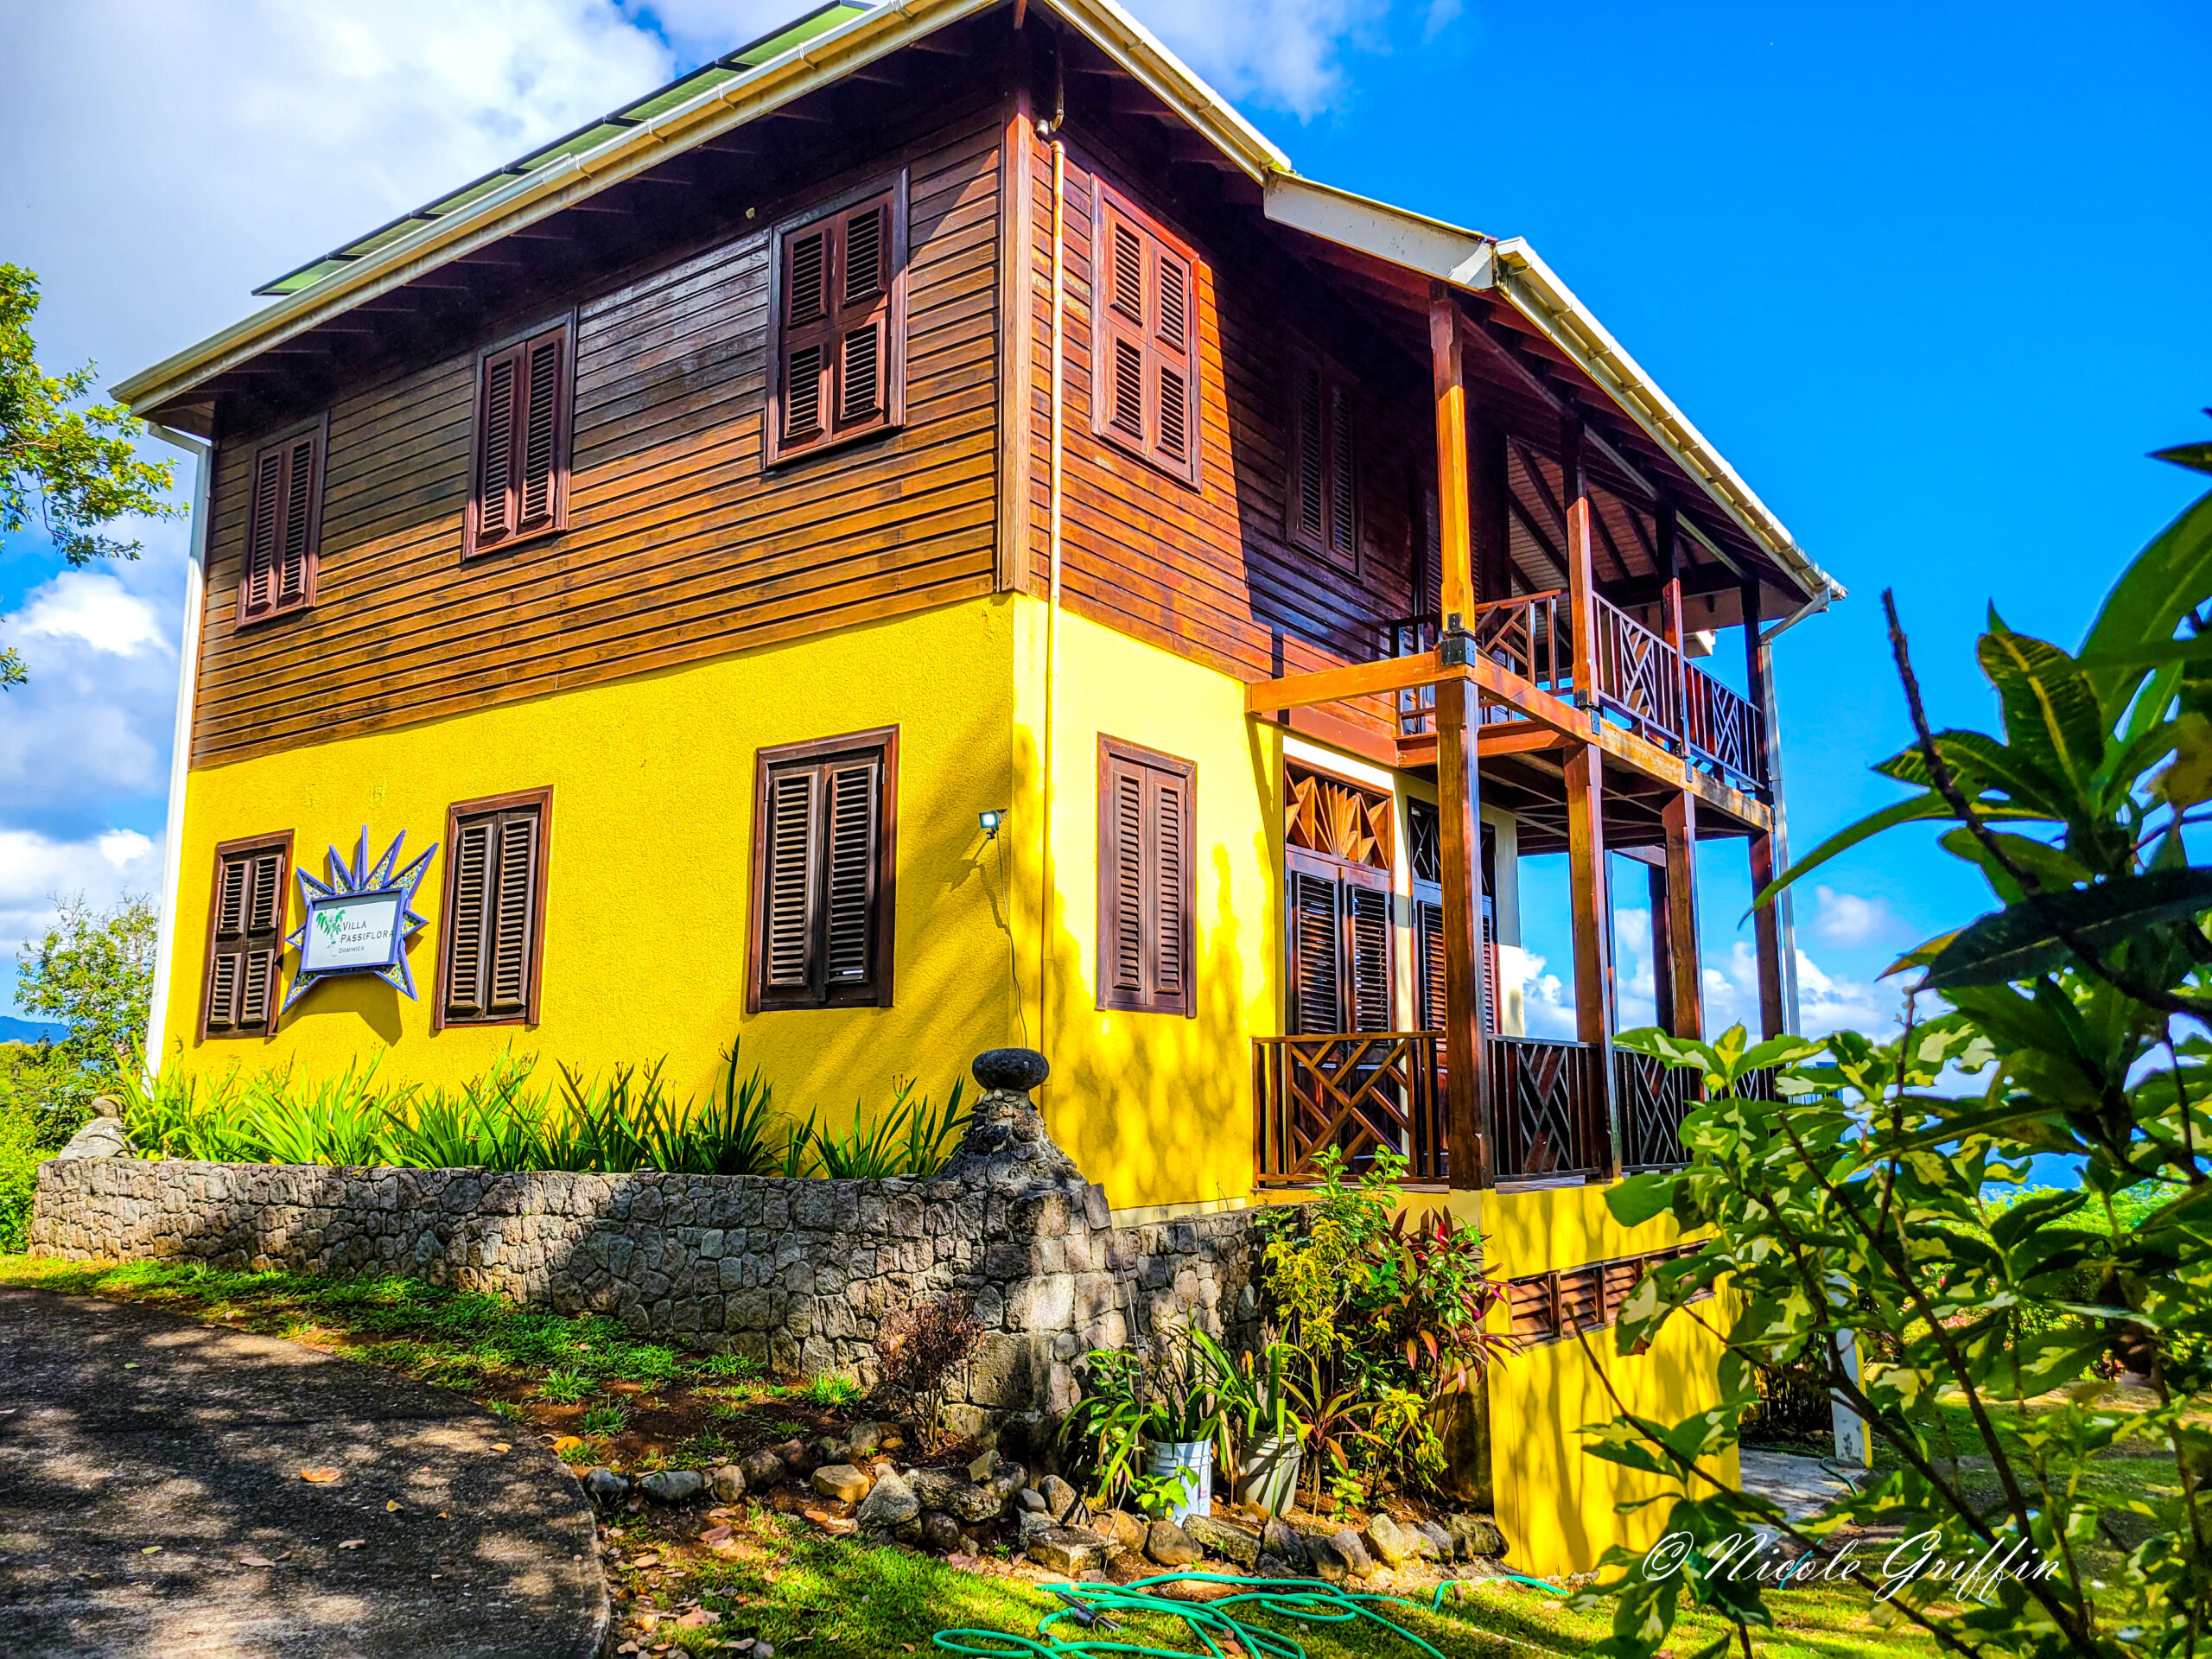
[1639, 676]
[1530, 636]
[1362, 1092]
[1358, 1092]
[1652, 1099]
[1724, 729]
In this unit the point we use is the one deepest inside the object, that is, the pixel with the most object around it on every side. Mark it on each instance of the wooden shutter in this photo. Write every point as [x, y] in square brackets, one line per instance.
[284, 524]
[839, 308]
[1340, 949]
[524, 394]
[1144, 338]
[824, 868]
[1321, 497]
[1316, 958]
[1146, 816]
[495, 902]
[246, 938]
[1534, 1306]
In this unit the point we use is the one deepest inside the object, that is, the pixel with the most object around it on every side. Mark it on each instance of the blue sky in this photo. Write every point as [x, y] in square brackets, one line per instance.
[1931, 276]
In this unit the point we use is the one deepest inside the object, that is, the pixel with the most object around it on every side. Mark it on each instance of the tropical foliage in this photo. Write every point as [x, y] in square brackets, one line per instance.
[1861, 1224]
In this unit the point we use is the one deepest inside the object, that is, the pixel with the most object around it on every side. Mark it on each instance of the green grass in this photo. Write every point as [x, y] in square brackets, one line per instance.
[830, 1390]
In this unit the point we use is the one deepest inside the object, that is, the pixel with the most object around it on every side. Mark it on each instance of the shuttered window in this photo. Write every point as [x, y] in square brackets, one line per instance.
[523, 391]
[1321, 498]
[1147, 821]
[1426, 847]
[245, 937]
[1339, 948]
[824, 865]
[284, 525]
[488, 971]
[1144, 338]
[840, 316]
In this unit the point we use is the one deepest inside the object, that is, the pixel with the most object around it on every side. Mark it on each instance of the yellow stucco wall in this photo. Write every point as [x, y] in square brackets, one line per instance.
[649, 856]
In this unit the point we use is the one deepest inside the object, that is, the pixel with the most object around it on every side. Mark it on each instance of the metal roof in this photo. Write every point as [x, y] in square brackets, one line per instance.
[589, 137]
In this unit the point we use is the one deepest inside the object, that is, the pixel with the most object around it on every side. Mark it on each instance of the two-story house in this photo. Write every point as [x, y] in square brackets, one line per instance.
[928, 534]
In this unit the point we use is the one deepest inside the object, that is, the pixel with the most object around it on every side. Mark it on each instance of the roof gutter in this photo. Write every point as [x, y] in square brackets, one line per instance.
[1536, 291]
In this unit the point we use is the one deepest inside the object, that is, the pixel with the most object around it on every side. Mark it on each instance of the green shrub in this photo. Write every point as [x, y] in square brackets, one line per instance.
[20, 1154]
[829, 1390]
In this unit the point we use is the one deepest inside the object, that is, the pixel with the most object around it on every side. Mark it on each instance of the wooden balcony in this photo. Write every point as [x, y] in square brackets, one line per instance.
[1544, 1110]
[1643, 684]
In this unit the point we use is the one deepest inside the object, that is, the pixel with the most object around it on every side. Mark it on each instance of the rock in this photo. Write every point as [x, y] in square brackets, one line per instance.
[1006, 1149]
[1018, 1069]
[972, 1502]
[762, 1470]
[1120, 1526]
[941, 1534]
[1169, 1545]
[826, 1449]
[1061, 1499]
[1437, 1545]
[1279, 1538]
[890, 1502]
[673, 1485]
[799, 1457]
[842, 1482]
[1343, 1550]
[1477, 1537]
[908, 1532]
[864, 1440]
[606, 1488]
[104, 1137]
[1219, 1538]
[1391, 1543]
[1027, 1524]
[982, 1468]
[1032, 1502]
[935, 1487]
[728, 1482]
[1068, 1549]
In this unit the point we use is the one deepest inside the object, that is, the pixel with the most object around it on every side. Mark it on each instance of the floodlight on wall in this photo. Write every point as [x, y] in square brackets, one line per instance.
[991, 821]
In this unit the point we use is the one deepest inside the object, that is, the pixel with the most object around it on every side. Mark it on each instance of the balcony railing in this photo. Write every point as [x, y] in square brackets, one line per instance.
[1652, 1098]
[1641, 683]
[1360, 1092]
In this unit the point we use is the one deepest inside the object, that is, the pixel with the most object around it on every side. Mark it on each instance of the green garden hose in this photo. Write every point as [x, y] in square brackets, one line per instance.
[1093, 1606]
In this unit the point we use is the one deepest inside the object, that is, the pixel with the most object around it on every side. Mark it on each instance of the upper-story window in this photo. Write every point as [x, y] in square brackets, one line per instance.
[837, 303]
[284, 525]
[1144, 346]
[1321, 499]
[523, 390]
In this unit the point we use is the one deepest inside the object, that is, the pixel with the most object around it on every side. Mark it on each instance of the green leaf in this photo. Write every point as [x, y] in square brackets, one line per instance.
[2051, 709]
[2019, 943]
[2197, 457]
[1640, 1197]
[1917, 809]
[2166, 583]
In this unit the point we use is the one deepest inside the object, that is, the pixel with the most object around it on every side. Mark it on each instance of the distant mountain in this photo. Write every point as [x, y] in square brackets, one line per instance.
[13, 1030]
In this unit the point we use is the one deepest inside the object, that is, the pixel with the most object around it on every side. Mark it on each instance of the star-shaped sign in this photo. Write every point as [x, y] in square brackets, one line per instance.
[324, 906]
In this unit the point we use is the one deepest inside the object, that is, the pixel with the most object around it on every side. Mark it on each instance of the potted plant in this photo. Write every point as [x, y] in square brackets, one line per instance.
[1255, 1399]
[1185, 1417]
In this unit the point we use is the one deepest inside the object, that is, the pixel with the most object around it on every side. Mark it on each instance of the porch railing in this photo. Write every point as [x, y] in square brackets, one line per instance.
[1363, 1091]
[1640, 682]
[1652, 1098]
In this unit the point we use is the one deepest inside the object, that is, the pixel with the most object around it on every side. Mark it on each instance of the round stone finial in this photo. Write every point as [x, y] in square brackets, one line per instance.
[1018, 1069]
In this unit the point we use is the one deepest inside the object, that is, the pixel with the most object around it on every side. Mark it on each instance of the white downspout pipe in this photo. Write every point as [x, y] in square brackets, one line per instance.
[188, 677]
[1047, 875]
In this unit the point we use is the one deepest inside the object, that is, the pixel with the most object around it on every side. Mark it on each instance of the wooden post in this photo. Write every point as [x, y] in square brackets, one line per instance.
[1686, 977]
[1662, 948]
[1458, 788]
[1590, 912]
[1766, 920]
[1448, 367]
[1492, 529]
[1017, 269]
[1581, 578]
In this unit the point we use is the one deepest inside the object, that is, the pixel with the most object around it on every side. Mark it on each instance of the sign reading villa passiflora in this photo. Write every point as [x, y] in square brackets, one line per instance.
[359, 920]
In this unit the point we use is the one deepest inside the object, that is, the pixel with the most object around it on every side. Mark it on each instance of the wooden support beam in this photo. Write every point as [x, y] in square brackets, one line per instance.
[1448, 374]
[1766, 920]
[1686, 977]
[1591, 914]
[1662, 947]
[1581, 581]
[1492, 533]
[1459, 847]
[1017, 307]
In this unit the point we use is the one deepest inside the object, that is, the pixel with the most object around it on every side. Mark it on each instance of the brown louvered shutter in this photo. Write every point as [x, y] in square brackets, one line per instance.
[1147, 815]
[522, 417]
[1428, 969]
[494, 895]
[824, 874]
[1320, 511]
[246, 938]
[284, 525]
[1316, 960]
[837, 367]
[1534, 1306]
[1366, 949]
[1144, 346]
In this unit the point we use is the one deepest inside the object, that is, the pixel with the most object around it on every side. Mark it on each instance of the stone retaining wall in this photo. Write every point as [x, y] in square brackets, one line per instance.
[798, 1274]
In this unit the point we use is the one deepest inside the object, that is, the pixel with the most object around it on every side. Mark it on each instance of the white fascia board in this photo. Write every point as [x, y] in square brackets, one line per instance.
[541, 193]
[1141, 55]
[1538, 294]
[1428, 246]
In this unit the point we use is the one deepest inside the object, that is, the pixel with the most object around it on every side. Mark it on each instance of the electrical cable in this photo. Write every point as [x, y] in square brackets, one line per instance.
[1212, 1622]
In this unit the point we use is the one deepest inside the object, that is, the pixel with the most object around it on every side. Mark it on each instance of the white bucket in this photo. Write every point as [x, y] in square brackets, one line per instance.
[1271, 1473]
[1166, 1457]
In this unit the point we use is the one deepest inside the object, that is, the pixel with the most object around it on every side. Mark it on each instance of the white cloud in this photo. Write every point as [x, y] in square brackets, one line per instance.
[1846, 919]
[93, 606]
[1286, 54]
[34, 869]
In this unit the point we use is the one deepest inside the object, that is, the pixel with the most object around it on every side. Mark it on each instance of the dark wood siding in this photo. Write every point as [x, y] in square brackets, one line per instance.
[1209, 571]
[680, 544]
